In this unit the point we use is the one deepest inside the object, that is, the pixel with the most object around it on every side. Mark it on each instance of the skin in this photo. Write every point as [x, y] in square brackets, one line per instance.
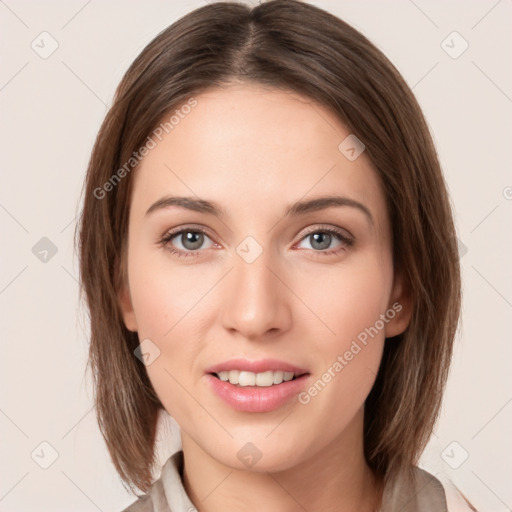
[254, 151]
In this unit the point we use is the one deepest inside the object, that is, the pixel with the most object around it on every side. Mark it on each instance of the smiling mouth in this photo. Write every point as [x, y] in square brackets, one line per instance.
[264, 379]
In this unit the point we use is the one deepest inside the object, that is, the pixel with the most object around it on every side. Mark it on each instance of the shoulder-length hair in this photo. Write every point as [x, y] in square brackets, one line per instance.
[298, 47]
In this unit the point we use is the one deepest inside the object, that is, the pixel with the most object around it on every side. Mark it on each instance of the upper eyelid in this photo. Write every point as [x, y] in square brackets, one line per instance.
[171, 233]
[326, 227]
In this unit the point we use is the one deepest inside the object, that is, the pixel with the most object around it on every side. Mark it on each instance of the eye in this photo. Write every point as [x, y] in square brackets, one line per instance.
[190, 240]
[187, 242]
[322, 238]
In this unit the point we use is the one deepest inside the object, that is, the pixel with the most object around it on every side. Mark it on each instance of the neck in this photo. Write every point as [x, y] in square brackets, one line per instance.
[334, 478]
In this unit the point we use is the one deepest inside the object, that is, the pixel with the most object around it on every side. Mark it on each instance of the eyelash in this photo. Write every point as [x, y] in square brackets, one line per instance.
[164, 241]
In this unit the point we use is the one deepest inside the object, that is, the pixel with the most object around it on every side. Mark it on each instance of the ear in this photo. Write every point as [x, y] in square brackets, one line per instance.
[123, 295]
[399, 308]
[123, 291]
[125, 303]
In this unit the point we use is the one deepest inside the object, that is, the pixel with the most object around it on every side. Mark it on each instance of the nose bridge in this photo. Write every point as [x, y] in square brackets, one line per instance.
[255, 300]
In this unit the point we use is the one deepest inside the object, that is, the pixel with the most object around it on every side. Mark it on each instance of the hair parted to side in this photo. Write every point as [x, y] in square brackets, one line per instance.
[297, 47]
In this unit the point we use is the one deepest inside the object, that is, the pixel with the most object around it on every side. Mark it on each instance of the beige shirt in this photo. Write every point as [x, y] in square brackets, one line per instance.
[167, 494]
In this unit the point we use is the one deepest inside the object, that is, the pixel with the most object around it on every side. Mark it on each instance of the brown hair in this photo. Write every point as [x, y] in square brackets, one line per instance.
[298, 47]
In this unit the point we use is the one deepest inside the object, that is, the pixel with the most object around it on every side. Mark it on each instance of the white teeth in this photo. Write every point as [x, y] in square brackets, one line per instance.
[278, 377]
[263, 379]
[247, 379]
[288, 376]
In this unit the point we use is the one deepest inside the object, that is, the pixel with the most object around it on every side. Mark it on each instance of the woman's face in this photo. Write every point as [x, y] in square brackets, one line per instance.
[280, 281]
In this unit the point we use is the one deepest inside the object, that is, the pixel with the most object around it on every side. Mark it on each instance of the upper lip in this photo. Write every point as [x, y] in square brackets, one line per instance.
[259, 366]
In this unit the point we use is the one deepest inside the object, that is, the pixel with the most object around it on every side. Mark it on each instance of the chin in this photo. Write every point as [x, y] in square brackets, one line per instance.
[260, 455]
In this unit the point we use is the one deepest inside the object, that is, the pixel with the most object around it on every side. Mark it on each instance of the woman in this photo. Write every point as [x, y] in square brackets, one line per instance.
[268, 255]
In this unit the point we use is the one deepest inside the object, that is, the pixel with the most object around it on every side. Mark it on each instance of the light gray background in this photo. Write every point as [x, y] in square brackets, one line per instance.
[51, 109]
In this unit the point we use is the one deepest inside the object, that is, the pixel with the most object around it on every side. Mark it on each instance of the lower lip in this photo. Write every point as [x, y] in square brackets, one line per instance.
[254, 398]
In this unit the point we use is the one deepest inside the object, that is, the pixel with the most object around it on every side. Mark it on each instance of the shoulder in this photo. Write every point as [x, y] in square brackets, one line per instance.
[435, 487]
[167, 493]
[417, 490]
[143, 504]
[154, 501]
[455, 499]
[413, 490]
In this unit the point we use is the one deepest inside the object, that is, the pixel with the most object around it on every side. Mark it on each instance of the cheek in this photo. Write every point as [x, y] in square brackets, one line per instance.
[164, 296]
[346, 301]
[349, 340]
[164, 308]
[171, 307]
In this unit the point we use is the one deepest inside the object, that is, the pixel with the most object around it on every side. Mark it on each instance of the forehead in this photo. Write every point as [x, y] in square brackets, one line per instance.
[246, 145]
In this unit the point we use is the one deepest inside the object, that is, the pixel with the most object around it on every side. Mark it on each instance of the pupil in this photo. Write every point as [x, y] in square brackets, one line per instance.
[323, 238]
[193, 238]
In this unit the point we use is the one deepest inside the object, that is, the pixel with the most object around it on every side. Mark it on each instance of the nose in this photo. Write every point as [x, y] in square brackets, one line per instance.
[256, 301]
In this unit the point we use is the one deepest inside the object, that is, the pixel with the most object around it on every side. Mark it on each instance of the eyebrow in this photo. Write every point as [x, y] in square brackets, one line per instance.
[297, 208]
